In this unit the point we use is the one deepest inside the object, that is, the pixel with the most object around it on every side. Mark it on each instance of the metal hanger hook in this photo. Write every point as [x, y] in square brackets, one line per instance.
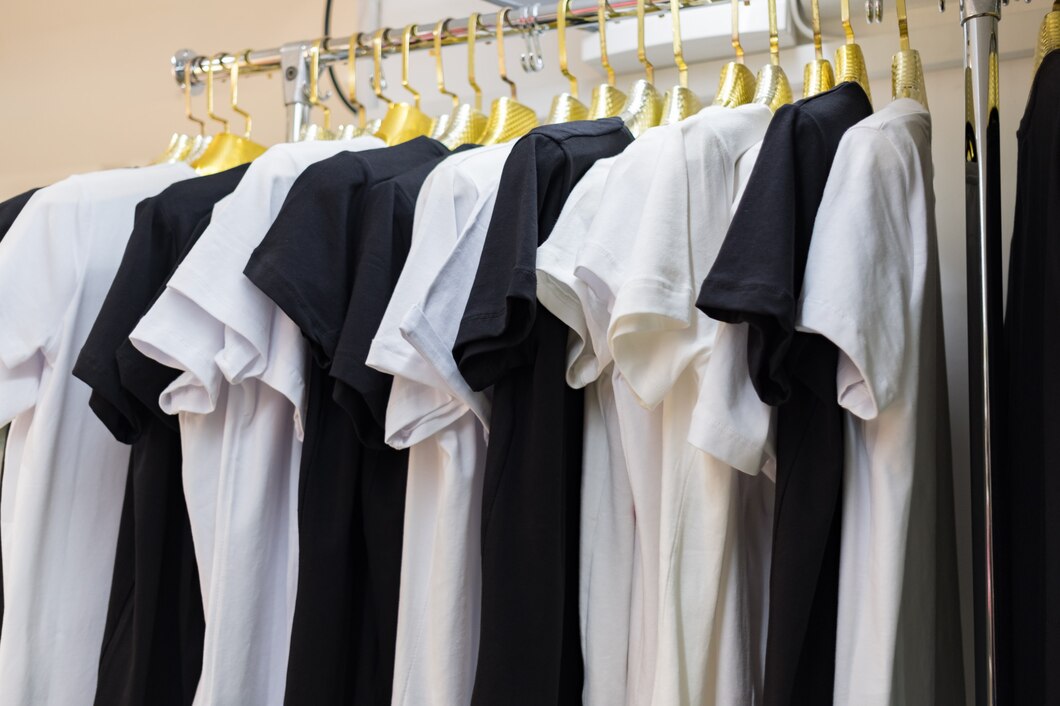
[219, 58]
[502, 21]
[532, 59]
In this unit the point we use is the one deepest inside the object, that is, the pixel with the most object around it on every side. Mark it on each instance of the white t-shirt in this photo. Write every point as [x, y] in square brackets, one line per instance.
[64, 480]
[608, 552]
[872, 288]
[241, 400]
[434, 415]
[664, 217]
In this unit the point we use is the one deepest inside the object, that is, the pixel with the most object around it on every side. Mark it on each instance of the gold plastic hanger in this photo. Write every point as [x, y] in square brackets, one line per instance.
[817, 77]
[467, 123]
[849, 60]
[607, 99]
[773, 89]
[347, 132]
[643, 108]
[226, 150]
[403, 121]
[1048, 35]
[907, 71]
[679, 102]
[508, 117]
[566, 106]
[737, 84]
[441, 123]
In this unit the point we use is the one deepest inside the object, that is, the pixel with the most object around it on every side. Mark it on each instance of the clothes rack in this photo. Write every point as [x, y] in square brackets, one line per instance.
[293, 58]
[979, 19]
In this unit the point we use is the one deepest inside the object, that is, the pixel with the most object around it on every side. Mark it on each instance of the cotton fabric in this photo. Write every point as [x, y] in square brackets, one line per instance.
[241, 399]
[756, 279]
[324, 260]
[433, 413]
[529, 650]
[898, 638]
[64, 474]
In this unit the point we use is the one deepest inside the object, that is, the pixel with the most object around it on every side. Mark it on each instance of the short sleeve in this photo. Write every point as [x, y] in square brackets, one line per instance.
[145, 378]
[435, 232]
[558, 288]
[651, 334]
[603, 258]
[752, 279]
[859, 290]
[500, 310]
[430, 328]
[39, 263]
[729, 421]
[303, 263]
[179, 334]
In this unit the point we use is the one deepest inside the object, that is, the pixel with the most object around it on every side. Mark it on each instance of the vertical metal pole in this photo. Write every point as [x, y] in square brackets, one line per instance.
[980, 20]
[294, 63]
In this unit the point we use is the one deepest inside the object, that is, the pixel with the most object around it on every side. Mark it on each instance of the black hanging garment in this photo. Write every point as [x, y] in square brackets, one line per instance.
[1027, 482]
[529, 650]
[153, 639]
[757, 278]
[351, 497]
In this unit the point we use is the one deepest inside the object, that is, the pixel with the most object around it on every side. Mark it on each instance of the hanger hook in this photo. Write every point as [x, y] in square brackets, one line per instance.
[679, 50]
[642, 52]
[219, 58]
[314, 83]
[437, 34]
[532, 60]
[844, 13]
[903, 25]
[187, 99]
[406, 39]
[816, 19]
[736, 46]
[351, 79]
[502, 20]
[603, 12]
[233, 77]
[377, 64]
[561, 33]
[774, 35]
[472, 32]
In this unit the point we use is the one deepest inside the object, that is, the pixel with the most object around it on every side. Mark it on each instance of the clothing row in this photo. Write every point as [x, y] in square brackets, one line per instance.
[1026, 494]
[575, 419]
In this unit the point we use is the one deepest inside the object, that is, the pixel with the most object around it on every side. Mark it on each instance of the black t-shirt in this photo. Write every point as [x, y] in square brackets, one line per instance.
[9, 211]
[152, 642]
[529, 650]
[1027, 479]
[306, 262]
[351, 498]
[163, 231]
[757, 278]
[386, 237]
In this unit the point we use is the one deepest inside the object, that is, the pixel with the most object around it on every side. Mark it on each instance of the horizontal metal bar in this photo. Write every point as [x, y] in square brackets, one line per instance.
[336, 49]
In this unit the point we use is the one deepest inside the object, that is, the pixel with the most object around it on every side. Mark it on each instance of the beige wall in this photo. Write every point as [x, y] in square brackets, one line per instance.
[86, 86]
